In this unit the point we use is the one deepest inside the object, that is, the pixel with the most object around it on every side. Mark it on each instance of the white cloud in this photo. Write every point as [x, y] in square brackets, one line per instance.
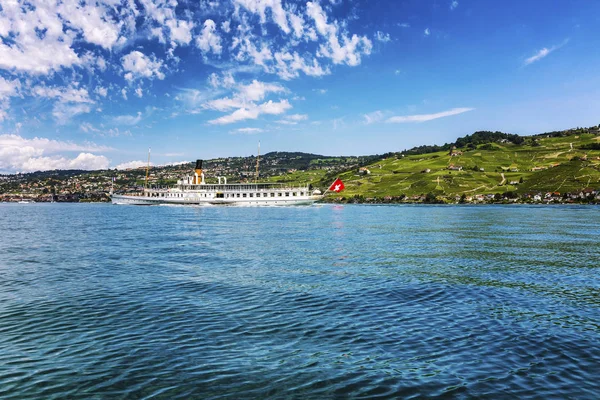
[289, 65]
[181, 31]
[88, 161]
[293, 119]
[70, 101]
[101, 91]
[287, 59]
[27, 155]
[428, 117]
[382, 37]
[226, 80]
[95, 22]
[27, 51]
[165, 24]
[297, 117]
[137, 65]
[244, 101]
[88, 127]
[453, 5]
[63, 112]
[45, 36]
[248, 131]
[544, 52]
[253, 112]
[85, 161]
[209, 40]
[226, 26]
[339, 47]
[538, 56]
[132, 165]
[195, 101]
[257, 90]
[48, 145]
[297, 23]
[404, 25]
[128, 119]
[101, 63]
[260, 6]
[373, 117]
[64, 94]
[139, 92]
[46, 41]
[225, 104]
[112, 132]
[238, 115]
[8, 88]
[315, 11]
[274, 108]
[427, 32]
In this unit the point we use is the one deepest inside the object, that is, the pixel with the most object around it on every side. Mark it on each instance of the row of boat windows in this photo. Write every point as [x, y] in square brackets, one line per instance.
[232, 195]
[237, 195]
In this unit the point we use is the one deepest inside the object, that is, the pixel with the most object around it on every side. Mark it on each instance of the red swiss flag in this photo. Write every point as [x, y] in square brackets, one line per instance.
[337, 186]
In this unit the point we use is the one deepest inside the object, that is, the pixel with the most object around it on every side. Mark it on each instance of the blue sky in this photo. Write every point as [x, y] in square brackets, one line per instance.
[95, 84]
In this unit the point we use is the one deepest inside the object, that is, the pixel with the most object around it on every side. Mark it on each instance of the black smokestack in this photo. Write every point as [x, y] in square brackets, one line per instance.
[198, 164]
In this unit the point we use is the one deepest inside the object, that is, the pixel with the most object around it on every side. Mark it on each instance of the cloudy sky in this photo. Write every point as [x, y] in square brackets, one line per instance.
[94, 84]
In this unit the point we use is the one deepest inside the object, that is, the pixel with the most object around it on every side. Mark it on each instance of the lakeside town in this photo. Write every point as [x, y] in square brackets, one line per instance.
[96, 186]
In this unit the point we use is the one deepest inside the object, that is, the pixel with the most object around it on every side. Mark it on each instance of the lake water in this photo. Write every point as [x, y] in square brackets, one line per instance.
[114, 302]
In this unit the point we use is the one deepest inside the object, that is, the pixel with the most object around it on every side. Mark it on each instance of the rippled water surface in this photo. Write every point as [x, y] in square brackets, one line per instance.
[110, 302]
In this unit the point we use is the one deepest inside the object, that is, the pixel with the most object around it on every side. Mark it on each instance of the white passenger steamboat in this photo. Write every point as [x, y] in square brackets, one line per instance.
[195, 191]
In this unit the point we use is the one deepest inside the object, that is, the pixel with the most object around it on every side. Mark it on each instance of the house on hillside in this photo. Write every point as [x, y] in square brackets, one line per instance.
[454, 152]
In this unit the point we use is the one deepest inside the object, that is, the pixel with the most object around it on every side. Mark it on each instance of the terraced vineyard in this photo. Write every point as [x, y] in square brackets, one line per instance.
[545, 164]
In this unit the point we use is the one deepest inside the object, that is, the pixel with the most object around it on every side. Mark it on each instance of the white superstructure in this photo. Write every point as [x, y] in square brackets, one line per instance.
[194, 190]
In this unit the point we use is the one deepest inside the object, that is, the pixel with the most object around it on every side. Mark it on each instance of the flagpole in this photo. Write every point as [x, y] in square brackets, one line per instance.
[257, 161]
[329, 187]
[147, 168]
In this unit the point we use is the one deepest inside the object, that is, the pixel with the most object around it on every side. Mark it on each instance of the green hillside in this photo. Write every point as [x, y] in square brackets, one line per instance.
[540, 163]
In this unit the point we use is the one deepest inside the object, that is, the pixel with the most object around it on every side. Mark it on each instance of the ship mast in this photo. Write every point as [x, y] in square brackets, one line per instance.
[257, 161]
[147, 168]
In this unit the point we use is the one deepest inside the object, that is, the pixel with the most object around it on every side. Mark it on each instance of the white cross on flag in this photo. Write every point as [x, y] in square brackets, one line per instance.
[337, 186]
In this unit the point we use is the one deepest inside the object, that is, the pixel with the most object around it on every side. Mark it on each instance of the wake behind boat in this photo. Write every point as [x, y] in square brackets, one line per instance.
[194, 190]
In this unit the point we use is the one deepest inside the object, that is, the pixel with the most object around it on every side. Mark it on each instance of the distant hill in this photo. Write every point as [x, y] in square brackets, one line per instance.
[274, 166]
[482, 163]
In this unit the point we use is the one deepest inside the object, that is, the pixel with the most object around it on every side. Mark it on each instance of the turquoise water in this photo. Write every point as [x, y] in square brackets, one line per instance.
[114, 302]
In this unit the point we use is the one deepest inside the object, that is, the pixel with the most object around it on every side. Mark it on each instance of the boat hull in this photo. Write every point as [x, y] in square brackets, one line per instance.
[146, 201]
